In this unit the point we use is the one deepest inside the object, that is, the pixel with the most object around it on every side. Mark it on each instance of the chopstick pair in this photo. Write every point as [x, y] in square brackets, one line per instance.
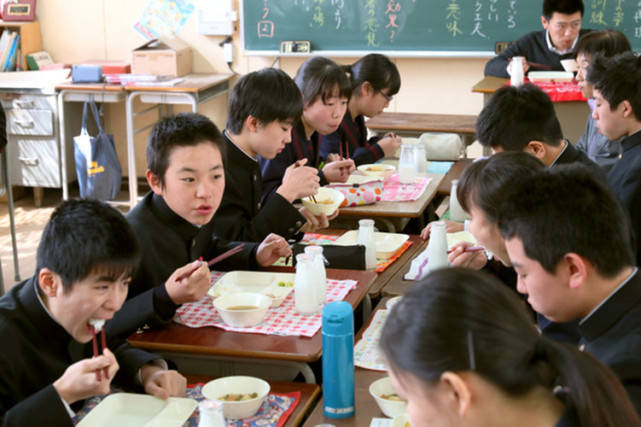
[98, 325]
[224, 255]
[469, 249]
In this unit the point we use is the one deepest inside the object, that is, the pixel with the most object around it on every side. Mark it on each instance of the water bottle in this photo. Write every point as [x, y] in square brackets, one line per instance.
[318, 265]
[516, 71]
[367, 238]
[338, 360]
[437, 247]
[211, 414]
[456, 211]
[407, 165]
[305, 284]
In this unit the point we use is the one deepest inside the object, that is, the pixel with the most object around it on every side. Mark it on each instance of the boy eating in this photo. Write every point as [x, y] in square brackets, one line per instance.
[85, 260]
[175, 223]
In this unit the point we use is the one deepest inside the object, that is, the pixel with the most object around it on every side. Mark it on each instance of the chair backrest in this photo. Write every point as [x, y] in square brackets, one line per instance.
[501, 46]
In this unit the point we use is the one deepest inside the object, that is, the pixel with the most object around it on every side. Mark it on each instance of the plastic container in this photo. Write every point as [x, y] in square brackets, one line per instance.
[318, 265]
[367, 238]
[210, 414]
[420, 157]
[305, 285]
[437, 247]
[407, 164]
[456, 211]
[516, 71]
[338, 360]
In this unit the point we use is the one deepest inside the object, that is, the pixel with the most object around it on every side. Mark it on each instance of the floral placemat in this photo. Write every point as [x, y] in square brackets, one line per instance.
[394, 191]
[282, 320]
[366, 352]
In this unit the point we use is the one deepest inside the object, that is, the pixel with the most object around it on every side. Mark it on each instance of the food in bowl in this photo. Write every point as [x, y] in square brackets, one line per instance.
[237, 397]
[378, 170]
[242, 309]
[387, 398]
[392, 396]
[244, 386]
[327, 201]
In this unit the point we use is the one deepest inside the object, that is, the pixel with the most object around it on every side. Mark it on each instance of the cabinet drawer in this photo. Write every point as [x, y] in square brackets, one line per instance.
[29, 122]
[28, 102]
[34, 162]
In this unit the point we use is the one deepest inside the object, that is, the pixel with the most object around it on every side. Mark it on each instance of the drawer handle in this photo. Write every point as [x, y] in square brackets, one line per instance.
[27, 124]
[30, 161]
[23, 104]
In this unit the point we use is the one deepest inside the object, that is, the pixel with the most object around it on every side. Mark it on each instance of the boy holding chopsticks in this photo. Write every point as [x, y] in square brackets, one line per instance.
[259, 126]
[85, 260]
[174, 223]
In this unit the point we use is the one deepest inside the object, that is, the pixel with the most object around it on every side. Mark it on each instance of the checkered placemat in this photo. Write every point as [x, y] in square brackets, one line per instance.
[283, 320]
[394, 191]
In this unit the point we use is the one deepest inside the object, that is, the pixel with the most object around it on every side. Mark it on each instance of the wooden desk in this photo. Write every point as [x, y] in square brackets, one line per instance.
[454, 173]
[571, 114]
[215, 343]
[195, 89]
[81, 92]
[400, 212]
[366, 406]
[309, 394]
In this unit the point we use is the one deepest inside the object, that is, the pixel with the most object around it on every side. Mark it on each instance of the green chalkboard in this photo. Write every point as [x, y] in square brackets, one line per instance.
[414, 25]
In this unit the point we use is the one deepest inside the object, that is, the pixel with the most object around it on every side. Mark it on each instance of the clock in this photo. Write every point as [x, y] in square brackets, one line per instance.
[19, 10]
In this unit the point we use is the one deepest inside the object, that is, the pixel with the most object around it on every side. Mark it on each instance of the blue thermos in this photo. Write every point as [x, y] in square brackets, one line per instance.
[338, 360]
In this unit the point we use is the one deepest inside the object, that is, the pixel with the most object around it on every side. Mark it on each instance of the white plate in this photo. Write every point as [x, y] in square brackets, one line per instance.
[550, 76]
[129, 410]
[360, 179]
[265, 283]
[461, 236]
[386, 243]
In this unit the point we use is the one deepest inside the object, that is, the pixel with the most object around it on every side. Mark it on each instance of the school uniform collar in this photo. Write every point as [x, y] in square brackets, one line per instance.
[566, 148]
[553, 48]
[299, 139]
[625, 297]
[162, 211]
[233, 148]
[39, 314]
[630, 142]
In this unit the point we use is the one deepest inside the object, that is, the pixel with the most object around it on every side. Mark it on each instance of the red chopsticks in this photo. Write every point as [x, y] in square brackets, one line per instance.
[103, 340]
[224, 255]
[470, 249]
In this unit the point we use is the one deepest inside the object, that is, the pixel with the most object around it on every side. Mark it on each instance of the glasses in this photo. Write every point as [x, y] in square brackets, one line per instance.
[387, 97]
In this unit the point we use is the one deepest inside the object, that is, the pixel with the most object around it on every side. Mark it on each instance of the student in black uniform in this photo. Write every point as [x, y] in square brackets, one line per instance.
[375, 81]
[561, 21]
[85, 260]
[568, 239]
[175, 223]
[462, 350]
[326, 91]
[617, 111]
[258, 126]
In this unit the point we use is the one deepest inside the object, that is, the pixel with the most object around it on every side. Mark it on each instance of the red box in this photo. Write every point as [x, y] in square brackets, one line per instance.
[111, 66]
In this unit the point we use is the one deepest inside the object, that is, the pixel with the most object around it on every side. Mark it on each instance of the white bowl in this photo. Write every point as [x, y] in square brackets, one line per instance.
[216, 389]
[243, 318]
[570, 65]
[390, 408]
[328, 200]
[402, 420]
[381, 170]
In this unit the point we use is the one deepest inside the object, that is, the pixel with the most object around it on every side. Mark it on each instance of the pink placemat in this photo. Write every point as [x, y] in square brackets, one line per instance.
[394, 191]
[283, 320]
[560, 91]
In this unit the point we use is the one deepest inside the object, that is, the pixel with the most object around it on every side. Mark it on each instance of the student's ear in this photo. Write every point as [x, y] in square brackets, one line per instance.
[544, 22]
[536, 148]
[627, 109]
[576, 269]
[154, 182]
[49, 282]
[252, 123]
[457, 390]
[366, 89]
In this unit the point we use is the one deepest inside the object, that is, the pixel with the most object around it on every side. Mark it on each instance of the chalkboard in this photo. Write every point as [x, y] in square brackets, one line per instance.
[456, 26]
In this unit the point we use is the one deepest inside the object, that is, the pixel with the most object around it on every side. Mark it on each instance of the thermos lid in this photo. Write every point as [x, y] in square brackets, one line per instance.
[338, 318]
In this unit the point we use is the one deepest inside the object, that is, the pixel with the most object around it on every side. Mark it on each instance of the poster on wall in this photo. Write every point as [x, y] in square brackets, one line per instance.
[163, 18]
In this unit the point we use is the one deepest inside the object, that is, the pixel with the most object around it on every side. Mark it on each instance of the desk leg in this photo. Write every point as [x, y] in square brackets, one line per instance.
[63, 145]
[389, 224]
[131, 150]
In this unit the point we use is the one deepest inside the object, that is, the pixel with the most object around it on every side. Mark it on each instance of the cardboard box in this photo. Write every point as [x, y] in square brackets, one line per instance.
[165, 57]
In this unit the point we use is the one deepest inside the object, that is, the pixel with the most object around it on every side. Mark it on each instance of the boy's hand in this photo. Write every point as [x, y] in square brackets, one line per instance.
[459, 258]
[271, 249]
[390, 143]
[315, 223]
[299, 181]
[339, 170]
[79, 380]
[162, 383]
[192, 288]
[450, 227]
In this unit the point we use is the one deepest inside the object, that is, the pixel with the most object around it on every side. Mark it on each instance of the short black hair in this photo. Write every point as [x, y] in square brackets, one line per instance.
[484, 183]
[618, 79]
[322, 77]
[514, 116]
[566, 209]
[181, 130]
[566, 7]
[605, 42]
[376, 69]
[86, 237]
[268, 95]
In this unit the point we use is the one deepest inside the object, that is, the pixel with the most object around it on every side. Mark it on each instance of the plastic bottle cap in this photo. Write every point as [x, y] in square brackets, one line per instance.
[303, 257]
[366, 222]
[338, 318]
[313, 249]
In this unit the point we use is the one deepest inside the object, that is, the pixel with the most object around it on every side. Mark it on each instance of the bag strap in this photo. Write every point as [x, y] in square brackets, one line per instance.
[96, 116]
[83, 123]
